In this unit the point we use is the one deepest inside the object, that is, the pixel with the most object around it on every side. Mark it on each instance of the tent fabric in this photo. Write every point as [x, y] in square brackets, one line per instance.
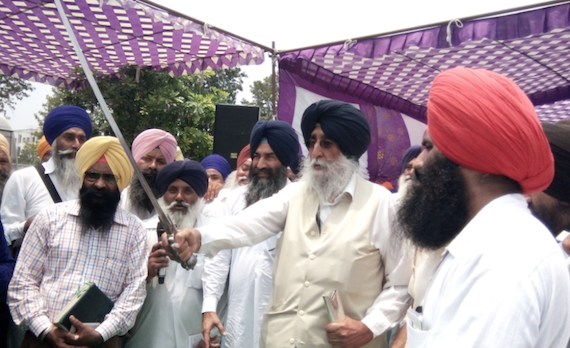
[395, 72]
[388, 77]
[112, 33]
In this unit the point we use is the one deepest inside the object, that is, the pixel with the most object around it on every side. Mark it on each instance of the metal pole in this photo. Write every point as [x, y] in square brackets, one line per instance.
[273, 82]
[168, 225]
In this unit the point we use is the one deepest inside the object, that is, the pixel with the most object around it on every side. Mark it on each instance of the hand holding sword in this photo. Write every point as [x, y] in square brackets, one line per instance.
[186, 243]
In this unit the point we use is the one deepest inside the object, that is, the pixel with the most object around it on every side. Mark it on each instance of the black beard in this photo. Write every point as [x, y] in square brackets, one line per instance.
[98, 207]
[435, 209]
[260, 188]
[556, 218]
[137, 195]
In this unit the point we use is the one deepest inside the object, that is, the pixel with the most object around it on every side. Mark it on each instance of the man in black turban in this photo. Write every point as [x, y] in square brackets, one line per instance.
[552, 206]
[336, 236]
[171, 314]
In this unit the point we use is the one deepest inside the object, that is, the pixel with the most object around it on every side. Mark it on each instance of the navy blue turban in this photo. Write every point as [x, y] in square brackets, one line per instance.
[342, 123]
[280, 136]
[191, 172]
[411, 153]
[64, 117]
[558, 136]
[217, 162]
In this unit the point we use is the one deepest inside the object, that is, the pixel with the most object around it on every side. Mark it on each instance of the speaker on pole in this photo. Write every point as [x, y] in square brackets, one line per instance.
[232, 129]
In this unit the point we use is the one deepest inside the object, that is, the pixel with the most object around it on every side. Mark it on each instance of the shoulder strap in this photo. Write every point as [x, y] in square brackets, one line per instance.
[49, 184]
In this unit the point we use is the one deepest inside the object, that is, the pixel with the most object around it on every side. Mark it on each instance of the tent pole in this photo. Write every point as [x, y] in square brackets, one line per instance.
[273, 82]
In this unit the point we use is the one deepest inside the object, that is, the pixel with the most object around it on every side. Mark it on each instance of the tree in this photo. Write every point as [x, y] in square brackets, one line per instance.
[228, 80]
[182, 105]
[262, 93]
[28, 154]
[12, 89]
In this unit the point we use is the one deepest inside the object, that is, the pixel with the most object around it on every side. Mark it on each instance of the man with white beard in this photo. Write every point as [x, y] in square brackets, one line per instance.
[407, 168]
[336, 235]
[31, 189]
[273, 147]
[171, 314]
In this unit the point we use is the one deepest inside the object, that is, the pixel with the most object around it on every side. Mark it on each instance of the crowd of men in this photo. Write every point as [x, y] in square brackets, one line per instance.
[464, 254]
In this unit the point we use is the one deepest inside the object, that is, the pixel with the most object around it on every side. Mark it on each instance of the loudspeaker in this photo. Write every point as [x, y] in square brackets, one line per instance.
[232, 129]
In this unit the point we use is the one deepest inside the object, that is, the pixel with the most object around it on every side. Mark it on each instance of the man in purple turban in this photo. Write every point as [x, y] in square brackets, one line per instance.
[152, 150]
[31, 189]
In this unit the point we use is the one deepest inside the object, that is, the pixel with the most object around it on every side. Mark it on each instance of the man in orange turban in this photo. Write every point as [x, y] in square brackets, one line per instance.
[44, 150]
[502, 280]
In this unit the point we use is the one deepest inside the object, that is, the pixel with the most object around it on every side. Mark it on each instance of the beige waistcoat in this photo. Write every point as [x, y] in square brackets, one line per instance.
[312, 263]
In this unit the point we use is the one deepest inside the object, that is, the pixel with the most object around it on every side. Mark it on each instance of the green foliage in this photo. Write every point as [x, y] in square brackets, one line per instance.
[12, 88]
[182, 105]
[262, 96]
[29, 154]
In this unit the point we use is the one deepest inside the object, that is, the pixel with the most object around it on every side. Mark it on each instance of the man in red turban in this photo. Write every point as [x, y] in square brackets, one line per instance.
[502, 280]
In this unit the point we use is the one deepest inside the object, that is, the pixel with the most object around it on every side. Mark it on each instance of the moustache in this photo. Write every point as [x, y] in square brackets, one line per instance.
[66, 152]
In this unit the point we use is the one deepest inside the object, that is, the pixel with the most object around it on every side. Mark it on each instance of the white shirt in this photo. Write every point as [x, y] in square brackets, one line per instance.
[216, 208]
[170, 315]
[25, 194]
[140, 212]
[266, 218]
[502, 282]
[250, 282]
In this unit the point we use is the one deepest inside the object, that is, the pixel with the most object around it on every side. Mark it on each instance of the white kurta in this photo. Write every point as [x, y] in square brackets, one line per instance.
[171, 314]
[250, 282]
[268, 217]
[25, 194]
[502, 282]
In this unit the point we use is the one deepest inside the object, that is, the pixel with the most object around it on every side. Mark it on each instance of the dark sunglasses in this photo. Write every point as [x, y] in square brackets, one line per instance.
[324, 144]
[94, 176]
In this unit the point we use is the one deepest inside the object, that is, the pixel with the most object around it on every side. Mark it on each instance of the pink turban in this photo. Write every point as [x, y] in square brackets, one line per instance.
[483, 121]
[152, 138]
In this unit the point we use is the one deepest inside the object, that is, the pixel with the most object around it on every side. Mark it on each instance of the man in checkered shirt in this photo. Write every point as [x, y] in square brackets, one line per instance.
[78, 242]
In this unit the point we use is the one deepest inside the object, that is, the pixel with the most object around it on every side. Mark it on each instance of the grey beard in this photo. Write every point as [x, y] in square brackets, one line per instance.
[331, 180]
[137, 195]
[65, 168]
[260, 188]
[183, 220]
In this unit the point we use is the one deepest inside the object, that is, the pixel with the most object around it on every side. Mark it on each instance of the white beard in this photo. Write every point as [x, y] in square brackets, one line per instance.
[65, 168]
[404, 182]
[331, 179]
[180, 219]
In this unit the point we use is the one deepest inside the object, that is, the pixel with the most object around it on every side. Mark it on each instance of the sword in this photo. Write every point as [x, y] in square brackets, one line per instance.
[169, 227]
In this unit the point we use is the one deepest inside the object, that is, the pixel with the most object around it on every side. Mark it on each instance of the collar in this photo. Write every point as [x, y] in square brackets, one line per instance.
[349, 190]
[477, 232]
[49, 166]
[120, 217]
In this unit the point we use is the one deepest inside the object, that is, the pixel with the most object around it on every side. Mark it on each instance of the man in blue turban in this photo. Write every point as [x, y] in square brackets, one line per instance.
[274, 146]
[405, 178]
[171, 314]
[31, 189]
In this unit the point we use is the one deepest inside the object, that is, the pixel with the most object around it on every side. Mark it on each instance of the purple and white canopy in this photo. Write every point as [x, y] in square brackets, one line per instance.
[112, 33]
[389, 76]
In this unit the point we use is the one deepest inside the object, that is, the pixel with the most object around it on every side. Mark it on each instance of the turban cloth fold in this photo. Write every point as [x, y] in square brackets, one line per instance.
[217, 162]
[483, 121]
[191, 172]
[152, 138]
[243, 156]
[341, 122]
[4, 146]
[43, 147]
[280, 136]
[96, 147]
[64, 117]
[411, 153]
[559, 138]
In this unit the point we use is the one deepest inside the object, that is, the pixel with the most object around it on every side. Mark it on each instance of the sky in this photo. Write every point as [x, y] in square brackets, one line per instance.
[299, 23]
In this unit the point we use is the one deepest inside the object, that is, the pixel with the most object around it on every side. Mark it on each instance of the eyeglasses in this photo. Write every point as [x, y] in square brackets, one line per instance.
[324, 144]
[94, 176]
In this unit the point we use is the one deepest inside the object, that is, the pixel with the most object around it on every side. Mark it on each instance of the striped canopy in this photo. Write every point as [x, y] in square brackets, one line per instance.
[112, 33]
